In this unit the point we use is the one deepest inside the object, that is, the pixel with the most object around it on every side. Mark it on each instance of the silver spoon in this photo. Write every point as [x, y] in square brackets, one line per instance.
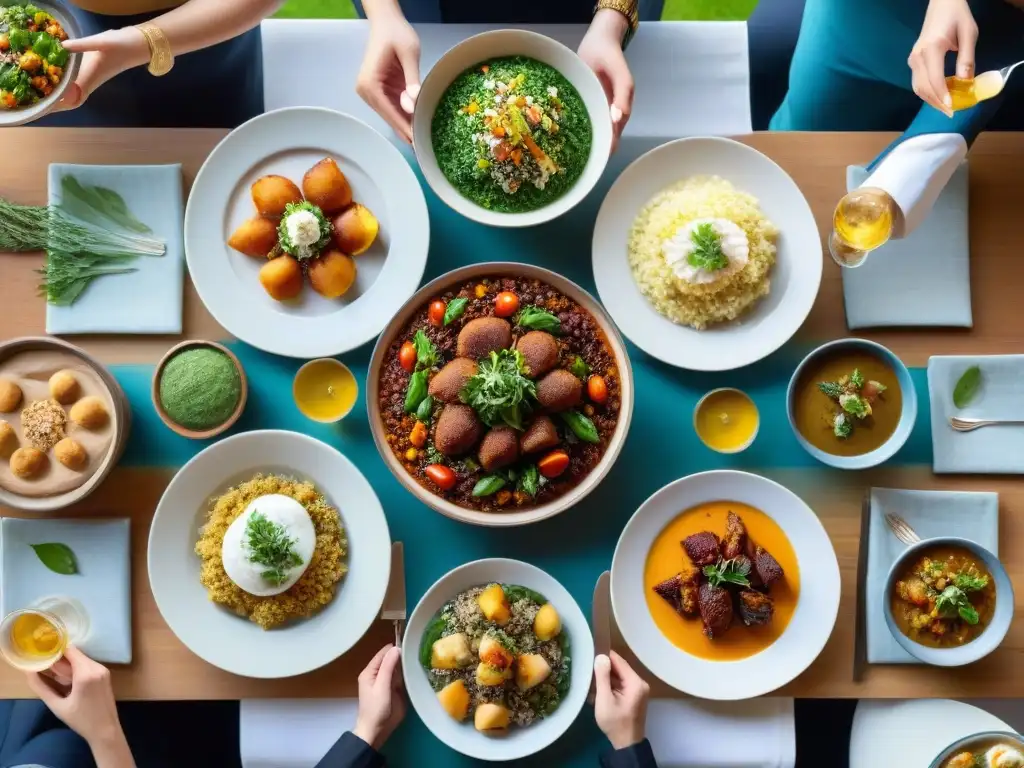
[969, 425]
[901, 529]
[991, 83]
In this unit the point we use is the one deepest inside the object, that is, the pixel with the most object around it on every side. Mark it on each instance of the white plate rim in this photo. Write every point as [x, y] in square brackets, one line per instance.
[230, 303]
[520, 742]
[778, 664]
[711, 349]
[364, 514]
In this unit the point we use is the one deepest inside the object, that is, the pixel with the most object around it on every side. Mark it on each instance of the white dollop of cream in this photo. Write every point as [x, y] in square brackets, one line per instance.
[303, 228]
[1003, 756]
[235, 553]
[733, 240]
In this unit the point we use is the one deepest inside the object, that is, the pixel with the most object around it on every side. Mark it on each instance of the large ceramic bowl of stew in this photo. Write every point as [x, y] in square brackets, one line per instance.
[851, 404]
[948, 601]
[500, 394]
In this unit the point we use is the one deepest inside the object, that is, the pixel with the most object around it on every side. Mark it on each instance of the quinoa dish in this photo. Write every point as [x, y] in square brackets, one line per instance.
[511, 134]
[272, 549]
[32, 59]
[702, 251]
[500, 394]
[497, 654]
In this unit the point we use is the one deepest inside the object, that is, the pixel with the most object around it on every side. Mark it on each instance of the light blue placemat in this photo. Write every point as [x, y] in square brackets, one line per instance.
[148, 300]
[102, 584]
[924, 280]
[973, 516]
[996, 449]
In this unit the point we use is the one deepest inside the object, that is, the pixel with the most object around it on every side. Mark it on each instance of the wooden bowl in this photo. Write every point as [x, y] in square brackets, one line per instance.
[122, 425]
[201, 434]
[440, 285]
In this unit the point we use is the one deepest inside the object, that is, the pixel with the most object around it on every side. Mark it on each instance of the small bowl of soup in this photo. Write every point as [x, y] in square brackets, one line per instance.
[989, 749]
[726, 420]
[948, 601]
[851, 404]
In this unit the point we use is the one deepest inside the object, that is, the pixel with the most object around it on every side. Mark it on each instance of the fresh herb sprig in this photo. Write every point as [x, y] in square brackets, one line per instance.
[733, 571]
[269, 546]
[707, 249]
[500, 392]
[953, 601]
[537, 319]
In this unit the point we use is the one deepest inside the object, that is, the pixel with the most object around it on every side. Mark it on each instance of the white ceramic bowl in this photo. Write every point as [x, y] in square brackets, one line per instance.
[288, 142]
[21, 116]
[805, 635]
[236, 644]
[491, 45]
[518, 742]
[794, 278]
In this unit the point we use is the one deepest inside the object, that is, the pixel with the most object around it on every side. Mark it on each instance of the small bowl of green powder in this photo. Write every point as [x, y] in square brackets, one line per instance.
[199, 389]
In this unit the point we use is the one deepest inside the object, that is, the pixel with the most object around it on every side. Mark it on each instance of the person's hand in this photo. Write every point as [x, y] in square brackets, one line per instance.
[389, 78]
[620, 703]
[88, 708]
[103, 57]
[601, 50]
[948, 26]
[381, 701]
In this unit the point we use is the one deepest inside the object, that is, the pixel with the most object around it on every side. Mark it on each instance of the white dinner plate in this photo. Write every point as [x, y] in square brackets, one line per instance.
[803, 638]
[234, 643]
[795, 278]
[288, 142]
[518, 742]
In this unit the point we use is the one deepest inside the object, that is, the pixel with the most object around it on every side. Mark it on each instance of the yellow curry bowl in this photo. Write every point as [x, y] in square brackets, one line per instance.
[726, 420]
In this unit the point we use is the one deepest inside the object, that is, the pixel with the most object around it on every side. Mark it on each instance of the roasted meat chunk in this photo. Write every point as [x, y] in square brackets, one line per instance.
[670, 590]
[766, 567]
[702, 548]
[715, 609]
[754, 608]
[681, 591]
[734, 542]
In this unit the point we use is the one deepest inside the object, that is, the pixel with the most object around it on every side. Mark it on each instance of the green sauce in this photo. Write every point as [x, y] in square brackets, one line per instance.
[200, 388]
[460, 135]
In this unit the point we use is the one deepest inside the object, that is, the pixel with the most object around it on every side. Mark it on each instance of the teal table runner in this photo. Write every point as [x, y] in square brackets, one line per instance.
[574, 547]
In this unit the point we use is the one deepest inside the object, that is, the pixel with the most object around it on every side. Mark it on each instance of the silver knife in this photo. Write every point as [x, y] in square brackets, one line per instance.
[860, 628]
[394, 598]
[601, 619]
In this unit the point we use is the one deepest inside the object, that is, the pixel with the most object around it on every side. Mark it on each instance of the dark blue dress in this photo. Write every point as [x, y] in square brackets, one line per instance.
[217, 87]
[31, 735]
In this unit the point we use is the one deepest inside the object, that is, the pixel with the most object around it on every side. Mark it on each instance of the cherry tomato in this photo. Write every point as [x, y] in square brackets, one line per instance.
[506, 304]
[440, 475]
[553, 464]
[597, 389]
[407, 356]
[435, 314]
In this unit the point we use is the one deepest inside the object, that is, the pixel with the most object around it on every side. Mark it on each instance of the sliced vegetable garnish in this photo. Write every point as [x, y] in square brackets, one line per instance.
[488, 485]
[581, 426]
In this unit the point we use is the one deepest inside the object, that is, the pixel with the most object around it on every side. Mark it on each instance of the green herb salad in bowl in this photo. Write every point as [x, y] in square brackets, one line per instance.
[504, 656]
[35, 68]
[511, 128]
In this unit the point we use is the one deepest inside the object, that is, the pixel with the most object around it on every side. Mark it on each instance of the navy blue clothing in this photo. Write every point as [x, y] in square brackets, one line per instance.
[31, 735]
[352, 752]
[476, 12]
[637, 756]
[217, 87]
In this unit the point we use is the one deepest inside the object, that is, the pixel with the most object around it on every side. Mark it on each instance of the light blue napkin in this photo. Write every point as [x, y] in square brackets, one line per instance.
[923, 280]
[102, 585]
[973, 516]
[148, 300]
[997, 449]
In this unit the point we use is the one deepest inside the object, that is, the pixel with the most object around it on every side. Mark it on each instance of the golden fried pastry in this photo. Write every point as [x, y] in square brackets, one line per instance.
[326, 186]
[71, 454]
[332, 274]
[270, 195]
[89, 412]
[10, 396]
[355, 229]
[8, 440]
[256, 237]
[281, 278]
[28, 463]
[64, 387]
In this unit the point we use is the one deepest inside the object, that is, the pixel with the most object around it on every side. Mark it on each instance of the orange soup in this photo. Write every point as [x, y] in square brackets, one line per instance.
[667, 557]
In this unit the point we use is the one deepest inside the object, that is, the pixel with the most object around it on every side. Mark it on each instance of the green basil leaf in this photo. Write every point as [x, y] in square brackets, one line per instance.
[968, 613]
[529, 480]
[455, 309]
[581, 426]
[967, 387]
[57, 557]
[579, 368]
[488, 484]
[416, 392]
[537, 319]
[425, 410]
[426, 352]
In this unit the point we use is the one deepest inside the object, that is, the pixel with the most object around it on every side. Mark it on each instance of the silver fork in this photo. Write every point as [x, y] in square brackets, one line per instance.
[901, 529]
[969, 425]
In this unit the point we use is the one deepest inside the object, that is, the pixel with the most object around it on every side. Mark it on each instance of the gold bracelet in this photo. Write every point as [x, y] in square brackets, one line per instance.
[161, 57]
[628, 8]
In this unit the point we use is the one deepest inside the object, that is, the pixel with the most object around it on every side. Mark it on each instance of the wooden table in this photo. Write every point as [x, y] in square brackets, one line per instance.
[165, 669]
